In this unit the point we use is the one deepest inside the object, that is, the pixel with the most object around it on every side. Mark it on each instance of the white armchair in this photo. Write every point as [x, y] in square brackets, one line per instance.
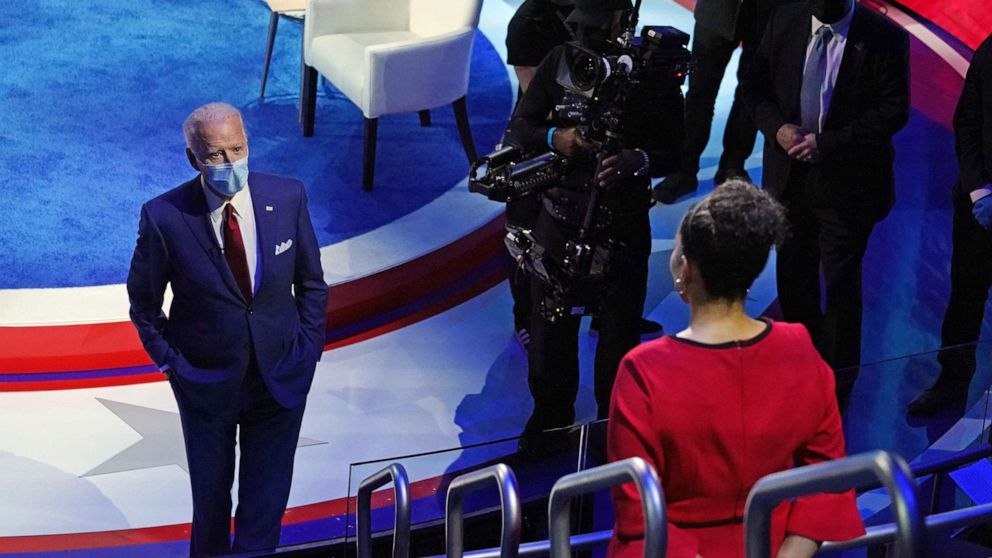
[391, 56]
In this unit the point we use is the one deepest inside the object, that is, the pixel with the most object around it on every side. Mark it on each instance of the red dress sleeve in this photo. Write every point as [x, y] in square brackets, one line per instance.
[629, 434]
[825, 517]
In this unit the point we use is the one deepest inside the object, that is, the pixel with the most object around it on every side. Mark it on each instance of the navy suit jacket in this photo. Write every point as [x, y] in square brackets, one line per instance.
[870, 103]
[212, 332]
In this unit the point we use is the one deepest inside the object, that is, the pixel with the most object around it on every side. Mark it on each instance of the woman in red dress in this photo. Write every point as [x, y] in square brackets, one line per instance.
[728, 400]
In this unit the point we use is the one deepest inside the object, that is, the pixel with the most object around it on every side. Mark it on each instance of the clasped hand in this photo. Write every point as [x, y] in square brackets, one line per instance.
[798, 143]
[611, 169]
[618, 166]
[982, 210]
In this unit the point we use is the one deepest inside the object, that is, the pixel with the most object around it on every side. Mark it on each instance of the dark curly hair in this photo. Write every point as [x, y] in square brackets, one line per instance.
[728, 235]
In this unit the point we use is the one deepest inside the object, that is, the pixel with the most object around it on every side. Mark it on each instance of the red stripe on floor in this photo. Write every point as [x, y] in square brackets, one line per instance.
[67, 348]
[180, 531]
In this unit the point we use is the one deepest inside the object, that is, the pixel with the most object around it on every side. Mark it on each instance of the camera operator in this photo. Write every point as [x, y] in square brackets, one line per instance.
[536, 28]
[651, 141]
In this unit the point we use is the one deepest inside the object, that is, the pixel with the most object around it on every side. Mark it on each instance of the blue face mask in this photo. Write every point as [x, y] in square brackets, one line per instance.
[227, 178]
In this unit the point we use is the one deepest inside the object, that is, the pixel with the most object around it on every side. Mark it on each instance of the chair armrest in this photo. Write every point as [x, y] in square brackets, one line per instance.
[416, 75]
[328, 17]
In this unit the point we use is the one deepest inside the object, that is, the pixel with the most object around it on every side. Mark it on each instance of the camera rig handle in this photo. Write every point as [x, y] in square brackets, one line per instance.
[596, 192]
[628, 35]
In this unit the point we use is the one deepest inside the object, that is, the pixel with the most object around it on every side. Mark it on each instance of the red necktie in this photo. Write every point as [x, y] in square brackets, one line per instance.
[234, 251]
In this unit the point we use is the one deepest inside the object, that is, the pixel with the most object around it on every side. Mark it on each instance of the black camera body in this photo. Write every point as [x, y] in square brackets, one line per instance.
[597, 86]
[506, 176]
[577, 283]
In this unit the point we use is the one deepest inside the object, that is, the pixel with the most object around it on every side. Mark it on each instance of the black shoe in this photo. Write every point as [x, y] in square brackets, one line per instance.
[938, 399]
[538, 446]
[674, 186]
[647, 329]
[723, 175]
[650, 329]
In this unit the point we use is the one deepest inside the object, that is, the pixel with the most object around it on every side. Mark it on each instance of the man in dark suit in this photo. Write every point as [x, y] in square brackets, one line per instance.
[721, 25]
[244, 331]
[828, 88]
[971, 259]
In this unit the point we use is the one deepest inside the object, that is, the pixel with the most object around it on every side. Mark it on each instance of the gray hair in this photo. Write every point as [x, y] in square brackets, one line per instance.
[210, 112]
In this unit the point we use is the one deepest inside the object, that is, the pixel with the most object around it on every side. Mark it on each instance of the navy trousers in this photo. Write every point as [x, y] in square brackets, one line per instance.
[268, 435]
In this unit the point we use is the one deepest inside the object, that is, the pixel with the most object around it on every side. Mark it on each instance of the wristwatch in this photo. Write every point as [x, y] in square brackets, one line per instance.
[646, 167]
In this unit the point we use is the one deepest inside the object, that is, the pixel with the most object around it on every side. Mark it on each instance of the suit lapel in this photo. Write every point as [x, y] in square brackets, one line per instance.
[850, 64]
[197, 218]
[264, 208]
[794, 62]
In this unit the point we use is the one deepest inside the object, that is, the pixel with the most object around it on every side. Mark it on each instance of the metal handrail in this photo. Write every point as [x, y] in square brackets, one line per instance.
[880, 534]
[835, 476]
[396, 474]
[634, 470]
[886, 533]
[939, 468]
[955, 461]
[506, 482]
[543, 547]
[942, 465]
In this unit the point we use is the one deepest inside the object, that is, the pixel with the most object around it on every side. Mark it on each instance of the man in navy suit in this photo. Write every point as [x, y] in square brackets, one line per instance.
[829, 87]
[244, 331]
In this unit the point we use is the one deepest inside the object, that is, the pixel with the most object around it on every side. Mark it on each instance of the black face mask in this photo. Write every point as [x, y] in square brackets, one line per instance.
[830, 11]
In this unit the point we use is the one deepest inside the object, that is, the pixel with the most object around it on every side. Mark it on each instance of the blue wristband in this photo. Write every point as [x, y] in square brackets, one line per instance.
[551, 135]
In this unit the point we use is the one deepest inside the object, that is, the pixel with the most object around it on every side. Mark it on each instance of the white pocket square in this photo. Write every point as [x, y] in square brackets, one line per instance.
[282, 247]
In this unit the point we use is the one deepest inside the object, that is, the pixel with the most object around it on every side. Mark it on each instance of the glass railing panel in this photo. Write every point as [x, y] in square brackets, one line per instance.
[878, 418]
[546, 457]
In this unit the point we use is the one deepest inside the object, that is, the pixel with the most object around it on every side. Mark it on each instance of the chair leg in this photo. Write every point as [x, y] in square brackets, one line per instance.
[273, 24]
[303, 74]
[464, 131]
[425, 118]
[308, 102]
[368, 169]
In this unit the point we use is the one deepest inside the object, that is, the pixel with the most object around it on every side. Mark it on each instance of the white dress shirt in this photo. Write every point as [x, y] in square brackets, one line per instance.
[835, 54]
[980, 193]
[244, 212]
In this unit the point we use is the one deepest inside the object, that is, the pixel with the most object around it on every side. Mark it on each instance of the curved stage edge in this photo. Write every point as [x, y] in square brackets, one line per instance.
[108, 354]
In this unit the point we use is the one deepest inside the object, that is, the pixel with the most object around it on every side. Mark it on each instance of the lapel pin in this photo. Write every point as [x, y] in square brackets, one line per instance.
[268, 208]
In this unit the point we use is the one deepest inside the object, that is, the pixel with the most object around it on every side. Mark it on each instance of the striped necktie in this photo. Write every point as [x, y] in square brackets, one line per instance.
[234, 251]
[813, 75]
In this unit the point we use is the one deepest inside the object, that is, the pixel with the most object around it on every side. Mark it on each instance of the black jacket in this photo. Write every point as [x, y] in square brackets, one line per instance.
[973, 122]
[734, 20]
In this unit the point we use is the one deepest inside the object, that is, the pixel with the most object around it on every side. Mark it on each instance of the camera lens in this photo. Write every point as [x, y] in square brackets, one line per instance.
[585, 71]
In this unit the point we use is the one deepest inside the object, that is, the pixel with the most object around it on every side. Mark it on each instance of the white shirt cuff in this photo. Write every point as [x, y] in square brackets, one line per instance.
[981, 193]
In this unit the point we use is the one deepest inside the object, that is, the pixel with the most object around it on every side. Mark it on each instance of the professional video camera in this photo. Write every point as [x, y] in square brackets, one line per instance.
[597, 86]
[577, 283]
